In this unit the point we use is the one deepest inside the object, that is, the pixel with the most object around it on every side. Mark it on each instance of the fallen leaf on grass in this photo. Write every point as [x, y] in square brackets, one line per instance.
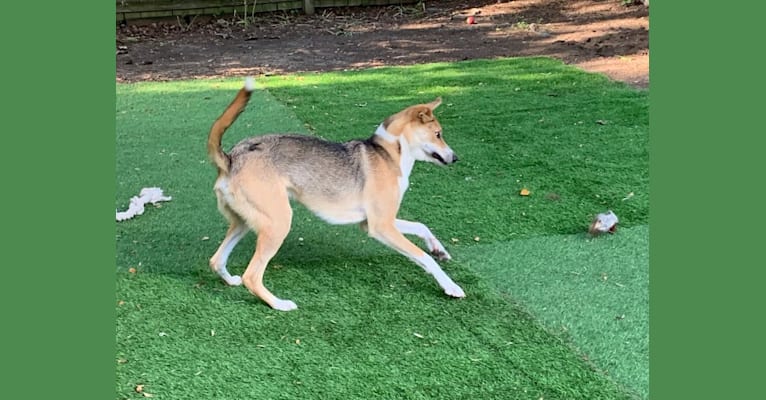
[525, 192]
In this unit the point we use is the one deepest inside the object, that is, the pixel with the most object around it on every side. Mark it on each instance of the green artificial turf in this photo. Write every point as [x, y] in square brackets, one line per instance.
[369, 322]
[594, 292]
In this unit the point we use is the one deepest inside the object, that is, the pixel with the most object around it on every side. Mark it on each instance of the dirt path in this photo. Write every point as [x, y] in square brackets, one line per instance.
[606, 36]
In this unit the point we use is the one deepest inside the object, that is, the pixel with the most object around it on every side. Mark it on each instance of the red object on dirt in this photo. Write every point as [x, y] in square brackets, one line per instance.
[470, 20]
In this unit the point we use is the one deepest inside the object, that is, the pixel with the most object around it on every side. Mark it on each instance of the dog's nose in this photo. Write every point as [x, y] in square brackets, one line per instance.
[454, 158]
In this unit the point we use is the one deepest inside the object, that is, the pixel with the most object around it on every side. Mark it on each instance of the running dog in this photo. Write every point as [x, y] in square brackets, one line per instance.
[356, 182]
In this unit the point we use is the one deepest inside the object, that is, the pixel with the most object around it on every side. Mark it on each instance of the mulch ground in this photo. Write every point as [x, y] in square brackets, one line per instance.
[607, 36]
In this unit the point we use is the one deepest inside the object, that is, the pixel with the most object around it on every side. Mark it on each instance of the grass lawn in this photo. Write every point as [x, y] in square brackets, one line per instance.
[592, 292]
[369, 322]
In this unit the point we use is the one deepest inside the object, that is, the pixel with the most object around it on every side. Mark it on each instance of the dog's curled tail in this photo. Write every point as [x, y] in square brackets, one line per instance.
[223, 123]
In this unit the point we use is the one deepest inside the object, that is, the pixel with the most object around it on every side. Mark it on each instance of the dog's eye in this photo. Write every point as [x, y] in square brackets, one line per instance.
[438, 134]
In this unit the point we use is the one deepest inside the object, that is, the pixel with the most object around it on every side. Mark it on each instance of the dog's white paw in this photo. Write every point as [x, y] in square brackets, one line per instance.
[284, 305]
[437, 250]
[235, 280]
[441, 254]
[454, 291]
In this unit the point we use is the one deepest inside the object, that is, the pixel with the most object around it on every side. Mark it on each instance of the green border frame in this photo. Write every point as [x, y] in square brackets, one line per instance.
[705, 340]
[58, 177]
[58, 300]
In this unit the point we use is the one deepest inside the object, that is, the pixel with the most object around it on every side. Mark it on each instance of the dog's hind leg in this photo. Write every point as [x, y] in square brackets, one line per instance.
[418, 229]
[271, 217]
[388, 234]
[237, 230]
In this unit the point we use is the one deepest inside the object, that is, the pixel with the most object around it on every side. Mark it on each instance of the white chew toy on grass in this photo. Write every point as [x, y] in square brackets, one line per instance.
[147, 195]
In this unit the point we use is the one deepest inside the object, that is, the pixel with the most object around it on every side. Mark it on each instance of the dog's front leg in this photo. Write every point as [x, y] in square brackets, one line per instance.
[389, 235]
[418, 229]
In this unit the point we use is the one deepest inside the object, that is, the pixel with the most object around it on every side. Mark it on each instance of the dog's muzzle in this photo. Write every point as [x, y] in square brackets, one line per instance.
[453, 159]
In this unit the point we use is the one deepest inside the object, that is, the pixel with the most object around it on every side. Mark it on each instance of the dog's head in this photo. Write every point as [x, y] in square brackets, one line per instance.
[421, 134]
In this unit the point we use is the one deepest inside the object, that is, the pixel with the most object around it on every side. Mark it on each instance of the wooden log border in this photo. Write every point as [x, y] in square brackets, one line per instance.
[128, 10]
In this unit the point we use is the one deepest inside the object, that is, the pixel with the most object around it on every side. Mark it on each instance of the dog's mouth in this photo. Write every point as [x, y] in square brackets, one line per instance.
[438, 158]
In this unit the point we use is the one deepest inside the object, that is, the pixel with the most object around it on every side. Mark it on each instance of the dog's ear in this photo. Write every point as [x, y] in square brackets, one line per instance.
[424, 114]
[432, 105]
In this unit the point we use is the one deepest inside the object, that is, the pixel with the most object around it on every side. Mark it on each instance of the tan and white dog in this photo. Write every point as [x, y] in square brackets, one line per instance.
[361, 181]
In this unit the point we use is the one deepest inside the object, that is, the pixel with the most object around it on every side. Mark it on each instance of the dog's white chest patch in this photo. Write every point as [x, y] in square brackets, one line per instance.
[404, 183]
[406, 163]
[404, 180]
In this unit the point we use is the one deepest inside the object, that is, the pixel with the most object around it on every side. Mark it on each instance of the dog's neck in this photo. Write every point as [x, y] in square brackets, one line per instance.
[398, 148]
[400, 152]
[382, 133]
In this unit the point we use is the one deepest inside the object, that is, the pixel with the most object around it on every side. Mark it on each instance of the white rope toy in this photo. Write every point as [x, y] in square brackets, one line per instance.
[147, 195]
